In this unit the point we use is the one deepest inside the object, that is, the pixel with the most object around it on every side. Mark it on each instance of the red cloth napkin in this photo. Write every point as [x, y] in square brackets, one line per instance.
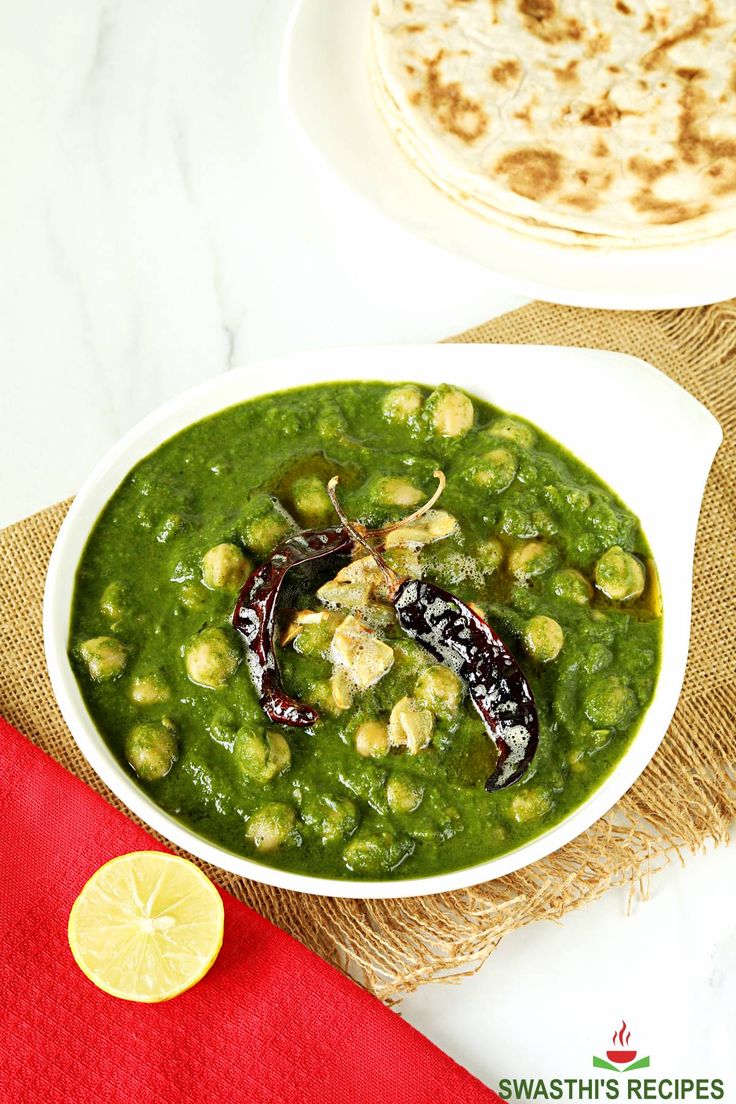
[270, 1023]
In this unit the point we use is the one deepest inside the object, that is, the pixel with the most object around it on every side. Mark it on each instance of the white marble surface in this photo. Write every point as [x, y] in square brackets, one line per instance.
[159, 225]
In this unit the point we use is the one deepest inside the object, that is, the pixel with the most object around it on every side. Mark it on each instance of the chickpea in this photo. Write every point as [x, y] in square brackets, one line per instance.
[105, 657]
[211, 658]
[402, 403]
[609, 702]
[267, 524]
[149, 690]
[333, 818]
[512, 430]
[151, 750]
[193, 596]
[620, 575]
[271, 826]
[403, 795]
[263, 534]
[112, 602]
[530, 804]
[311, 501]
[489, 555]
[394, 491]
[530, 559]
[570, 585]
[376, 853]
[440, 690]
[371, 740]
[496, 470]
[224, 567]
[543, 638]
[452, 411]
[261, 755]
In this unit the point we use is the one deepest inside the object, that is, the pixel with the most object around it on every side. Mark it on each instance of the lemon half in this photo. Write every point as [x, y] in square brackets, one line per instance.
[146, 926]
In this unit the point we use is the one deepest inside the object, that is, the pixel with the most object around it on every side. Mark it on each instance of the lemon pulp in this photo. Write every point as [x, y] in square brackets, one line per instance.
[146, 926]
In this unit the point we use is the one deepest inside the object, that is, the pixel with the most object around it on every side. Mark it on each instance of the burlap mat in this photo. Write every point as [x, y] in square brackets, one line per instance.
[686, 796]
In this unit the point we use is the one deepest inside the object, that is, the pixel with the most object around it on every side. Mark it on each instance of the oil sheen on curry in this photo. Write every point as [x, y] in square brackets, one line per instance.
[363, 630]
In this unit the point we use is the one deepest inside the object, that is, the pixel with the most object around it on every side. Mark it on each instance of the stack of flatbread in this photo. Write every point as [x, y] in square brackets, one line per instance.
[591, 122]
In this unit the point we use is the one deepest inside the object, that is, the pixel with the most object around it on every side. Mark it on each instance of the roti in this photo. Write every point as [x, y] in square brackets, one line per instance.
[602, 123]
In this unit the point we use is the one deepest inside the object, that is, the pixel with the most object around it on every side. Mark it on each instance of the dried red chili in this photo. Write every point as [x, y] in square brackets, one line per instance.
[443, 624]
[255, 616]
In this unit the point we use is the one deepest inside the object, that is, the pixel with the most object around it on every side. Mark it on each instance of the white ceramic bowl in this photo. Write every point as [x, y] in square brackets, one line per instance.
[650, 440]
[326, 92]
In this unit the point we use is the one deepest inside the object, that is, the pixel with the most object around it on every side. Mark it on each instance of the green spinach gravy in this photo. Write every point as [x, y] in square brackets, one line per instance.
[389, 783]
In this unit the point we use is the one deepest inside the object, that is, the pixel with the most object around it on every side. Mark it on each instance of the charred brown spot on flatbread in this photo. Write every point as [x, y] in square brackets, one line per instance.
[696, 26]
[452, 108]
[538, 9]
[689, 74]
[623, 8]
[722, 176]
[506, 72]
[666, 212]
[583, 201]
[542, 19]
[532, 173]
[649, 170]
[567, 74]
[603, 114]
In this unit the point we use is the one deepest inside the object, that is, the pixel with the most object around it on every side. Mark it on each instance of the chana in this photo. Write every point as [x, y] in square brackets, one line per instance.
[410, 726]
[371, 740]
[193, 596]
[333, 818]
[572, 586]
[530, 804]
[543, 638]
[495, 470]
[609, 702]
[403, 794]
[402, 403]
[211, 658]
[151, 750]
[452, 412]
[267, 524]
[224, 567]
[149, 690]
[271, 826]
[511, 430]
[440, 690]
[105, 656]
[311, 501]
[261, 755]
[620, 575]
[377, 852]
[531, 559]
[489, 555]
[112, 602]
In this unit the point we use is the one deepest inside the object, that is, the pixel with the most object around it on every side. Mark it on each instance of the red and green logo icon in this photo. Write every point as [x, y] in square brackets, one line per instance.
[621, 1058]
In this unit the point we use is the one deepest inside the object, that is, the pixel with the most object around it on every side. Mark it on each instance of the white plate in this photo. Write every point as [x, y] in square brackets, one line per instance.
[650, 440]
[326, 90]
